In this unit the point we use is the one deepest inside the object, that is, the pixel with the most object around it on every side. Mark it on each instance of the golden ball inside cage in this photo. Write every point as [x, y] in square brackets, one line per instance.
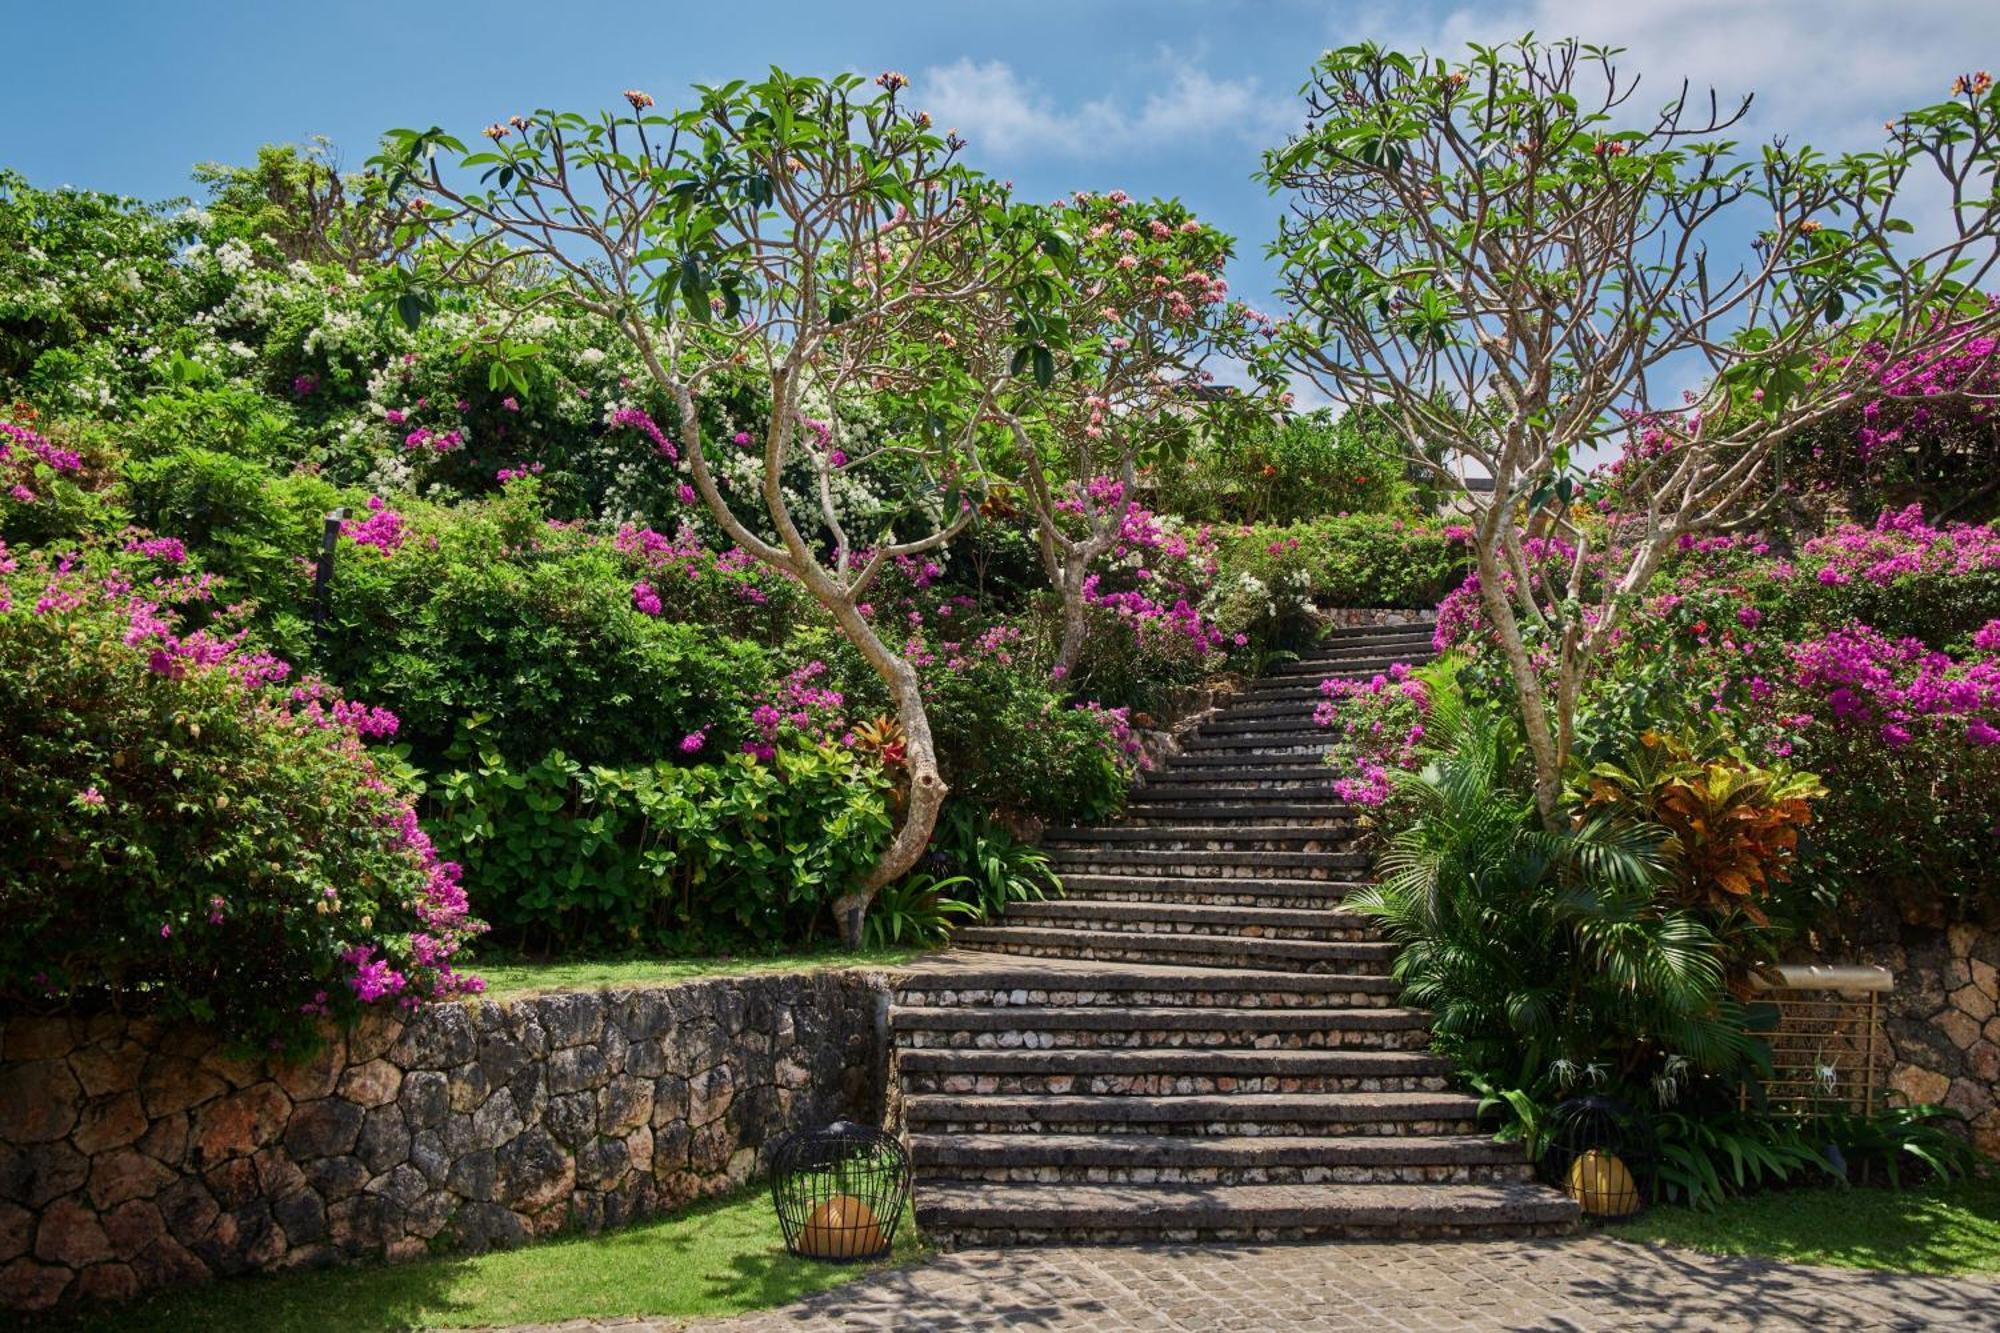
[1602, 1185]
[843, 1227]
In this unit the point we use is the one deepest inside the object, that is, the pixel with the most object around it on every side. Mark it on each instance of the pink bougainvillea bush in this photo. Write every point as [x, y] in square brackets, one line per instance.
[191, 828]
[1868, 655]
[1930, 429]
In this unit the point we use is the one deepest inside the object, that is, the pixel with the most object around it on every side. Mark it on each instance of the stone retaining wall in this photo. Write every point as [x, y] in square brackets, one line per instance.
[1943, 1021]
[136, 1155]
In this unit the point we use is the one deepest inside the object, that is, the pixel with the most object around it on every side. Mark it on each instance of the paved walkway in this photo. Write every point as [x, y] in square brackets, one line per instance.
[1569, 1284]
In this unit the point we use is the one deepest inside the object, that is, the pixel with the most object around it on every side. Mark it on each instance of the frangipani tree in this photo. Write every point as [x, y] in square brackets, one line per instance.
[1521, 268]
[1125, 329]
[811, 234]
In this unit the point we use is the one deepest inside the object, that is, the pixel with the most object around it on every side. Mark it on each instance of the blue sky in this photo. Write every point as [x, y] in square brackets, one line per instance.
[1166, 97]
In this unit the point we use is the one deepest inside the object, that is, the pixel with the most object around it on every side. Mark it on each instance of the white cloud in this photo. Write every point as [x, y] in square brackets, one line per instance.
[1827, 72]
[1005, 115]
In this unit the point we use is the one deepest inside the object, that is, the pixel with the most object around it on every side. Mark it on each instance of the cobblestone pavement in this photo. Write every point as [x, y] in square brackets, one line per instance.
[1566, 1284]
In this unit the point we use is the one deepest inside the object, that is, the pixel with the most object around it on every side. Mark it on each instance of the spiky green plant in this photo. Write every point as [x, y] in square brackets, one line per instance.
[1540, 950]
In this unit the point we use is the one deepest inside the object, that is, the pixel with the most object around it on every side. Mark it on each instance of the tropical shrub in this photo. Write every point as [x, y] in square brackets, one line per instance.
[998, 869]
[1272, 579]
[919, 909]
[1144, 634]
[189, 829]
[1301, 468]
[1010, 741]
[562, 856]
[1701, 1159]
[49, 490]
[1733, 823]
[78, 272]
[1378, 725]
[1773, 657]
[1542, 952]
[535, 629]
[1926, 431]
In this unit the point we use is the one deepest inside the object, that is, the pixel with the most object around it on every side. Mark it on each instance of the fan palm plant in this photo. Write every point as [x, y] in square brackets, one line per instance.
[1540, 950]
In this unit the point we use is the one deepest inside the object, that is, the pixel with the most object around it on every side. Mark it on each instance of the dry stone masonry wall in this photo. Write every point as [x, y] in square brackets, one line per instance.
[136, 1155]
[1943, 1023]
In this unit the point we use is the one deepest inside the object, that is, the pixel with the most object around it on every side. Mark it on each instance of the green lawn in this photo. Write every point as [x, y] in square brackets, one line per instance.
[714, 1258]
[510, 980]
[1939, 1229]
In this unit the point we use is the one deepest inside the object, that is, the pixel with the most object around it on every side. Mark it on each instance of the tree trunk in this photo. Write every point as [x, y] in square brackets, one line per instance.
[1532, 702]
[1073, 609]
[927, 785]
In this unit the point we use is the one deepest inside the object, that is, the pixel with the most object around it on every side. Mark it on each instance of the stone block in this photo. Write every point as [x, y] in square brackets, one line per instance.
[109, 1122]
[384, 1140]
[240, 1123]
[27, 1284]
[372, 1084]
[426, 1099]
[70, 1234]
[125, 1173]
[170, 1083]
[328, 1127]
[40, 1100]
[534, 1172]
[108, 1067]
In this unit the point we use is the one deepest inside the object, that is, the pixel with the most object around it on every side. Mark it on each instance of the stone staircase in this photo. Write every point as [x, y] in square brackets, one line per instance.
[1197, 1042]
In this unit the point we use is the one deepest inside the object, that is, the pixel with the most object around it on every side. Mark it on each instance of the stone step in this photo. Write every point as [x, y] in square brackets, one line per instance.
[1393, 647]
[1303, 745]
[1209, 865]
[1277, 688]
[1249, 769]
[1303, 1113]
[1357, 957]
[968, 977]
[1271, 814]
[1419, 637]
[1162, 1073]
[1191, 761]
[1301, 722]
[1190, 831]
[1221, 1160]
[1241, 786]
[1273, 923]
[1193, 837]
[1263, 709]
[1248, 775]
[975, 1213]
[1358, 667]
[1119, 1027]
[1214, 892]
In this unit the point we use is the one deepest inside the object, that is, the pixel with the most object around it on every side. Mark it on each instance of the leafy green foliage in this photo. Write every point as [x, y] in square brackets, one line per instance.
[918, 909]
[492, 616]
[999, 869]
[1273, 579]
[182, 840]
[560, 855]
[1305, 467]
[1704, 1159]
[1540, 950]
[1009, 741]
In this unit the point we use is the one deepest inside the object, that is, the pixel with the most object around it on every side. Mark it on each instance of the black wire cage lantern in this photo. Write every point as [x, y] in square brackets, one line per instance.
[840, 1191]
[1598, 1153]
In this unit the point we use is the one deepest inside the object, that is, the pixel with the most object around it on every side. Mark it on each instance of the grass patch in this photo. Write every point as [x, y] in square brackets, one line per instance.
[511, 980]
[715, 1258]
[1951, 1228]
